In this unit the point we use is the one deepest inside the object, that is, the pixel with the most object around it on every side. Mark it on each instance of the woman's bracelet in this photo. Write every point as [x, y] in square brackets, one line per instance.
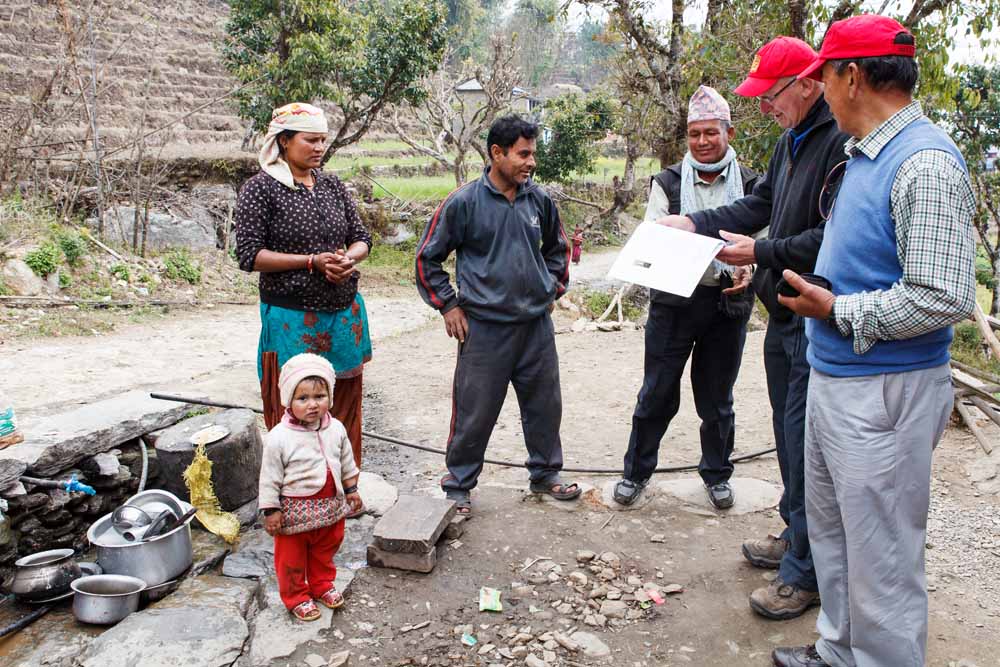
[350, 489]
[309, 263]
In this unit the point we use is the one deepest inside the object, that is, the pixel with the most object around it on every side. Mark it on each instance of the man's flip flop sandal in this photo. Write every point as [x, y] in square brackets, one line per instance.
[463, 501]
[565, 492]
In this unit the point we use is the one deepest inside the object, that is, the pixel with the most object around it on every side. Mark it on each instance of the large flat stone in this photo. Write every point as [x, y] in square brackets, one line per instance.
[56, 442]
[202, 623]
[406, 560]
[235, 458]
[54, 640]
[413, 524]
[378, 494]
[253, 556]
[752, 495]
[209, 550]
[276, 634]
[10, 471]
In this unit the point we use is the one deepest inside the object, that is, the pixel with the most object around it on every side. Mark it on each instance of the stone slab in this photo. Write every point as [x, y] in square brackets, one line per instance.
[10, 471]
[209, 550]
[412, 562]
[252, 557]
[56, 442]
[276, 634]
[203, 623]
[413, 524]
[752, 495]
[378, 495]
[235, 459]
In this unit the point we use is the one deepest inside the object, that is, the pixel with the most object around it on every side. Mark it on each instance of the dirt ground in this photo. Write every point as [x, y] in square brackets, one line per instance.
[408, 387]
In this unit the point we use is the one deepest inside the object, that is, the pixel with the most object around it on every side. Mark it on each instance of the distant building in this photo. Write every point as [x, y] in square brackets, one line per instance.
[472, 90]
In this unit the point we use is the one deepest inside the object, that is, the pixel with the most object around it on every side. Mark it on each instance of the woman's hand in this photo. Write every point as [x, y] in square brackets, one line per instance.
[340, 268]
[272, 523]
[322, 261]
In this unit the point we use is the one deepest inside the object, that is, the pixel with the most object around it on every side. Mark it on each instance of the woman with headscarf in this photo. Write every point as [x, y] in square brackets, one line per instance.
[299, 228]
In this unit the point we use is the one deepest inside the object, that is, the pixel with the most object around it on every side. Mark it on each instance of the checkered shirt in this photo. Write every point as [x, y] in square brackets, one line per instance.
[933, 207]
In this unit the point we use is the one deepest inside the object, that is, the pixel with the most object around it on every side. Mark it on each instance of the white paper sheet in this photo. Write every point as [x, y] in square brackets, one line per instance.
[665, 258]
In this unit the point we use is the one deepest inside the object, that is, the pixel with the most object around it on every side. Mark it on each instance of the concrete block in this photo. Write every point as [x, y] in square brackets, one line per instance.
[413, 562]
[413, 524]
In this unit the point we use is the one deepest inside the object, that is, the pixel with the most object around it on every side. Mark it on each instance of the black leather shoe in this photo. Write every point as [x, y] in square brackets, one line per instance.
[721, 495]
[798, 656]
[627, 491]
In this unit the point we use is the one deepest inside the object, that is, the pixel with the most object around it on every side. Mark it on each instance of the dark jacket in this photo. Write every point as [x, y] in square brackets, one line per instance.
[787, 198]
[512, 257]
[272, 216]
[669, 181]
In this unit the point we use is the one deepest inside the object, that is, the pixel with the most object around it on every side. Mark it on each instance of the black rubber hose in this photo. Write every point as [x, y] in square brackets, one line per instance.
[436, 450]
[25, 621]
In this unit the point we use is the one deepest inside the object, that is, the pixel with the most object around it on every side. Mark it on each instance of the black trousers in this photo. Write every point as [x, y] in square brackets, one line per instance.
[494, 356]
[714, 342]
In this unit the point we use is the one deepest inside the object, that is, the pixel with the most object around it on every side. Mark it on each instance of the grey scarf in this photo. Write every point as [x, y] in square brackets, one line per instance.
[734, 187]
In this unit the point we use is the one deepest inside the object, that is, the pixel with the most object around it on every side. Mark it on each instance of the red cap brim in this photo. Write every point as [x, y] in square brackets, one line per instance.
[813, 71]
[752, 86]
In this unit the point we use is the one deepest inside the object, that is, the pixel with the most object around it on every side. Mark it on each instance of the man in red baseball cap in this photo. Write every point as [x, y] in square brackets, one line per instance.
[785, 203]
[899, 255]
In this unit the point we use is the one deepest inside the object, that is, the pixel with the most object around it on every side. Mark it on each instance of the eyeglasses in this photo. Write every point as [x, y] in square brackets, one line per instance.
[831, 187]
[769, 99]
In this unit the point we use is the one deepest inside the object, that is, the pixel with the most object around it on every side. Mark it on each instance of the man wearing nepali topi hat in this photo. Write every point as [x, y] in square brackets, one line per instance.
[786, 201]
[899, 256]
[709, 326]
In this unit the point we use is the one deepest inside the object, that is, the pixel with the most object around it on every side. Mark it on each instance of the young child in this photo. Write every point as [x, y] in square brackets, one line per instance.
[577, 244]
[308, 481]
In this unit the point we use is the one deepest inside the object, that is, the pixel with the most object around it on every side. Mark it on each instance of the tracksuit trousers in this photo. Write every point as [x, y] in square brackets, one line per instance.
[494, 356]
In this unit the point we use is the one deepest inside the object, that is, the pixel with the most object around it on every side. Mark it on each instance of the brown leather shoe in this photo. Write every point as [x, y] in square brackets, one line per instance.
[798, 656]
[781, 601]
[766, 553]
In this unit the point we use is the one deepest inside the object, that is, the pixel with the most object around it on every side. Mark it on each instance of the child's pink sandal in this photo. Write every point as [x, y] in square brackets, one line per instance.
[306, 611]
[332, 599]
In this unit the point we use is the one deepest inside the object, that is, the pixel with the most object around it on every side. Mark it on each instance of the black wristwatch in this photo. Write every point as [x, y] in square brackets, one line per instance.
[350, 489]
[269, 511]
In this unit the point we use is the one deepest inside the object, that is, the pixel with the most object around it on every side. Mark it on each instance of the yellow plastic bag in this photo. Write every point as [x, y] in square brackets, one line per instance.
[198, 479]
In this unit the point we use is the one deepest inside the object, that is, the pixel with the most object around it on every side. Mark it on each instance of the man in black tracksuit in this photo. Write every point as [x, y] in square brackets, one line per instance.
[787, 199]
[512, 264]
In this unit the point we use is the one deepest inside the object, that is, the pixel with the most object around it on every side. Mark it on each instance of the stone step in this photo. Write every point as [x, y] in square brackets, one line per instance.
[413, 525]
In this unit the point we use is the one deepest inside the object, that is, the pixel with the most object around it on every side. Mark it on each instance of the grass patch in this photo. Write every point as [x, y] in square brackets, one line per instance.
[179, 265]
[419, 188]
[606, 167]
[967, 347]
[45, 259]
[596, 302]
[354, 162]
[393, 263]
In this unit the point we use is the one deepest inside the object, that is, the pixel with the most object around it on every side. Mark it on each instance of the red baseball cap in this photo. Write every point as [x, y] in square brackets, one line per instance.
[862, 36]
[782, 56]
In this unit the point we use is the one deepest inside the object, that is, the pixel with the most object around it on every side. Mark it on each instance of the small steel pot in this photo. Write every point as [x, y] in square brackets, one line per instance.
[45, 574]
[105, 599]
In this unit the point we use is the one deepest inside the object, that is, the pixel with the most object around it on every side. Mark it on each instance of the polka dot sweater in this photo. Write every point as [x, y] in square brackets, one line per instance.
[299, 222]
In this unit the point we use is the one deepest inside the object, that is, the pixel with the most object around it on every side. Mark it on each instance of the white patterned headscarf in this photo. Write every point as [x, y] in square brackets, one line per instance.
[296, 116]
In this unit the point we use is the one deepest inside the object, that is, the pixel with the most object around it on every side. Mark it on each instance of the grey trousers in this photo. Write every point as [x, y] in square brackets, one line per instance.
[868, 463]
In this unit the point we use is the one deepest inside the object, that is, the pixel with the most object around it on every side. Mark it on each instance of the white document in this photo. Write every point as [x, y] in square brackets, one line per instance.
[664, 258]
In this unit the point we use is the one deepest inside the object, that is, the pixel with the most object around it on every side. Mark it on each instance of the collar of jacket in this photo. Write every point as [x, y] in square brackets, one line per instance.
[522, 189]
[819, 114]
[291, 422]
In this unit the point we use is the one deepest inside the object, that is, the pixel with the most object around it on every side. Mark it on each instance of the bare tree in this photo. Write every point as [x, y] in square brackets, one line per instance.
[450, 122]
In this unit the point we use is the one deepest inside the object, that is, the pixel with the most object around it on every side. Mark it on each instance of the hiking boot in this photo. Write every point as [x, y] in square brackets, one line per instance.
[781, 601]
[798, 656]
[721, 495]
[766, 553]
[627, 491]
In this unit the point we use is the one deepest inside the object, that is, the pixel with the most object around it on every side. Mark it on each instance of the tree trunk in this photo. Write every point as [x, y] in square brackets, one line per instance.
[460, 168]
[995, 304]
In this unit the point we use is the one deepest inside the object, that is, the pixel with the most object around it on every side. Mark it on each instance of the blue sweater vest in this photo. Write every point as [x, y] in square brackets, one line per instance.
[859, 255]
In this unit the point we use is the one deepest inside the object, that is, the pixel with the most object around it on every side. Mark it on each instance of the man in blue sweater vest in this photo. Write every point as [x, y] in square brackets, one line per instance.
[898, 252]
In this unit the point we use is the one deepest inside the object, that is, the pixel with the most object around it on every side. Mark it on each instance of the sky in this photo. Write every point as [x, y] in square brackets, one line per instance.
[965, 50]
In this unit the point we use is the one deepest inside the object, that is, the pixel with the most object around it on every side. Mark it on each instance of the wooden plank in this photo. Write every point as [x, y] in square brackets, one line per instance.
[987, 331]
[970, 421]
[413, 524]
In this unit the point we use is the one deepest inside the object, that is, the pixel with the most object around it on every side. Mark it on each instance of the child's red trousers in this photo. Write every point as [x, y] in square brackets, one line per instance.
[304, 562]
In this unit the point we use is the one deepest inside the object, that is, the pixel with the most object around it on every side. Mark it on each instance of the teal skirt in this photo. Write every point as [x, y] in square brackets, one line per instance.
[341, 338]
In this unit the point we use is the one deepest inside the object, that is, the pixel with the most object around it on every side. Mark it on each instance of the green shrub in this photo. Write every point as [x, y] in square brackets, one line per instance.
[64, 280]
[984, 274]
[43, 260]
[71, 244]
[597, 302]
[179, 265]
[121, 272]
[4, 290]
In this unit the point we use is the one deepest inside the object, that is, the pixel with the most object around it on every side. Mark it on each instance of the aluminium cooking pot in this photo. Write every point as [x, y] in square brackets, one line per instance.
[104, 599]
[45, 574]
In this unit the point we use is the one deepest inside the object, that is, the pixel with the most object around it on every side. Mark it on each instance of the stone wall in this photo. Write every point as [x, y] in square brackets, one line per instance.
[172, 43]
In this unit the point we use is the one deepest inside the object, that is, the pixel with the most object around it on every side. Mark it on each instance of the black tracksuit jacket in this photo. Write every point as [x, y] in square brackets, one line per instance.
[512, 257]
[787, 198]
